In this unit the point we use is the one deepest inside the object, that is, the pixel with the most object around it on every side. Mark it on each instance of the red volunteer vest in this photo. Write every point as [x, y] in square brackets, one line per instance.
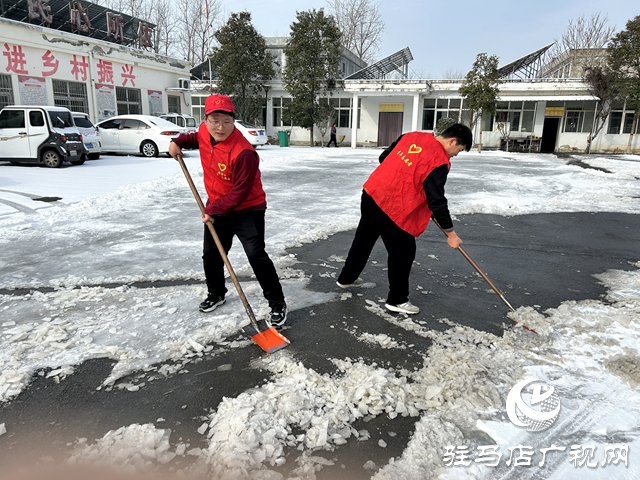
[217, 165]
[397, 184]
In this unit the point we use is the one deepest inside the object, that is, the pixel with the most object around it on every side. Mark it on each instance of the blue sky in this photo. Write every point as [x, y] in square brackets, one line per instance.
[449, 37]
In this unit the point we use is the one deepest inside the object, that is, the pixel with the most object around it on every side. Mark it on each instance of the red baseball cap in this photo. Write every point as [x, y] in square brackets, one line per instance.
[218, 102]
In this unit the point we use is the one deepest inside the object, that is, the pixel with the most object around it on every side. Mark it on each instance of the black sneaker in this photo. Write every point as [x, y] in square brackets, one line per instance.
[211, 303]
[278, 314]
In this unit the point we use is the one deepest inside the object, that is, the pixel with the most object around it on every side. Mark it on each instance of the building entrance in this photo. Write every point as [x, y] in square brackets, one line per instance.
[549, 134]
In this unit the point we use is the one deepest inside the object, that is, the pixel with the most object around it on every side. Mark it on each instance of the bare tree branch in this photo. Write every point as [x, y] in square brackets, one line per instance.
[361, 25]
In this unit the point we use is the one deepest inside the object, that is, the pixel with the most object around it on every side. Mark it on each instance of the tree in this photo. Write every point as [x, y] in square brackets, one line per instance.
[361, 25]
[624, 62]
[242, 64]
[443, 124]
[196, 24]
[480, 89]
[601, 86]
[588, 35]
[313, 54]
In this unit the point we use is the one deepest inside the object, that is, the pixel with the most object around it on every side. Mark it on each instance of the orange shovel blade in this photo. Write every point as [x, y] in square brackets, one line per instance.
[267, 338]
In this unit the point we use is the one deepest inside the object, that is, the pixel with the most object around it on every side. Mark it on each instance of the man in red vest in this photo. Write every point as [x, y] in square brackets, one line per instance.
[236, 203]
[397, 202]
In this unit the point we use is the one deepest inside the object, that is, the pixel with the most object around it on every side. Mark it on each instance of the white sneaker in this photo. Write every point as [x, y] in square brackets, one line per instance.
[406, 307]
[358, 282]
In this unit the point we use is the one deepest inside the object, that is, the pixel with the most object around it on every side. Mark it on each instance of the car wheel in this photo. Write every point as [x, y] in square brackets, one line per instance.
[51, 159]
[149, 149]
[94, 156]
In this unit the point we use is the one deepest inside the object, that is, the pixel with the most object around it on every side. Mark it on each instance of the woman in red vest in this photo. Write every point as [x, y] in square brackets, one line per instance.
[236, 203]
[397, 202]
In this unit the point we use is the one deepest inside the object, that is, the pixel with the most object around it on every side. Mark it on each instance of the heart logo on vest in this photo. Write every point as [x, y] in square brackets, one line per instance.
[415, 149]
[222, 167]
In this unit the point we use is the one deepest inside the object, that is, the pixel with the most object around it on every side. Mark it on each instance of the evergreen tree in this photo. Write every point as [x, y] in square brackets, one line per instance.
[624, 62]
[480, 89]
[313, 55]
[242, 65]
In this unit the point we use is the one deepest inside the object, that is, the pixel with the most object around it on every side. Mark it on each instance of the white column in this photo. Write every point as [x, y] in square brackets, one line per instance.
[414, 114]
[354, 121]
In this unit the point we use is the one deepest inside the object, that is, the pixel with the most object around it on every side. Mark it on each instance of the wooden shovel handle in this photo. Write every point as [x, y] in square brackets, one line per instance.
[479, 270]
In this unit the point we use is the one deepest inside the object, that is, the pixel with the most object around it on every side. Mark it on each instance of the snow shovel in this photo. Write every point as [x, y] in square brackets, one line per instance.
[261, 331]
[484, 276]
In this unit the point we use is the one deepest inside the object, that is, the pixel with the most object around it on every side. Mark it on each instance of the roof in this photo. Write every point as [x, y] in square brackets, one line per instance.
[524, 67]
[398, 61]
[19, 11]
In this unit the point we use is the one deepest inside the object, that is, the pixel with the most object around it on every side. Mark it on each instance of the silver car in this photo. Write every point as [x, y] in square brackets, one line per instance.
[90, 134]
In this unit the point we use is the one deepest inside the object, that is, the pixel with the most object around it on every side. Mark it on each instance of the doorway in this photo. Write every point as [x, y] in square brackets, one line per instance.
[389, 127]
[549, 134]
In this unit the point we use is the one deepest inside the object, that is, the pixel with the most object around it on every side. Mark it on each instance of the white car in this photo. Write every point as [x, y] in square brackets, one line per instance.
[138, 134]
[182, 120]
[40, 134]
[90, 134]
[255, 135]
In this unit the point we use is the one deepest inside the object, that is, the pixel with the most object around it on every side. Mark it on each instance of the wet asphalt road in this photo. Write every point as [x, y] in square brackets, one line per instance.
[540, 260]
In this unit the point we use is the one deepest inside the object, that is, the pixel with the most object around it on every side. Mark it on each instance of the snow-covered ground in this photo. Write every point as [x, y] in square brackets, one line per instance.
[125, 219]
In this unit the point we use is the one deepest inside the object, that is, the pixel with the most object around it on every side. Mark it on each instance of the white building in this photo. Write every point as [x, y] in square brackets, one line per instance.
[88, 59]
[542, 114]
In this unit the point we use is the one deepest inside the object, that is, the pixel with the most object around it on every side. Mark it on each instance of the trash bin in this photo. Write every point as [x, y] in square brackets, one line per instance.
[283, 139]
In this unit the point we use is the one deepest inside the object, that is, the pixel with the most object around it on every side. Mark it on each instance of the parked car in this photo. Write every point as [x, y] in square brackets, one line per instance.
[90, 134]
[182, 120]
[138, 134]
[45, 135]
[255, 135]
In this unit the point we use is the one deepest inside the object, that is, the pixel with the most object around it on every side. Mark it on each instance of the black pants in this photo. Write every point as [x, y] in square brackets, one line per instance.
[333, 139]
[249, 228]
[400, 245]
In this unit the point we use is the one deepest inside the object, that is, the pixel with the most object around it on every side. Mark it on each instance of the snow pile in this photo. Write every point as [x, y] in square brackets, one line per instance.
[528, 317]
[255, 428]
[132, 449]
[463, 373]
[591, 357]
[381, 339]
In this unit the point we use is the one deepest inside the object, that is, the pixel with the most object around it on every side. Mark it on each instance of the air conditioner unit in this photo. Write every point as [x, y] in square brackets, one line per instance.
[184, 83]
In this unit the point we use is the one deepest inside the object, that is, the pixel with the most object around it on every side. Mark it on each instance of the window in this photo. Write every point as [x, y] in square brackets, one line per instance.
[12, 119]
[111, 124]
[60, 118]
[621, 119]
[278, 104]
[71, 95]
[128, 101]
[174, 104]
[517, 116]
[180, 121]
[131, 124]
[83, 122]
[197, 108]
[6, 91]
[344, 111]
[436, 109]
[627, 124]
[579, 116]
[36, 119]
[428, 114]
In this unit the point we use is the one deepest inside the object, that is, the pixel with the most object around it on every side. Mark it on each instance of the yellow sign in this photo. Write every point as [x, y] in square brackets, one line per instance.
[553, 111]
[392, 107]
[415, 149]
